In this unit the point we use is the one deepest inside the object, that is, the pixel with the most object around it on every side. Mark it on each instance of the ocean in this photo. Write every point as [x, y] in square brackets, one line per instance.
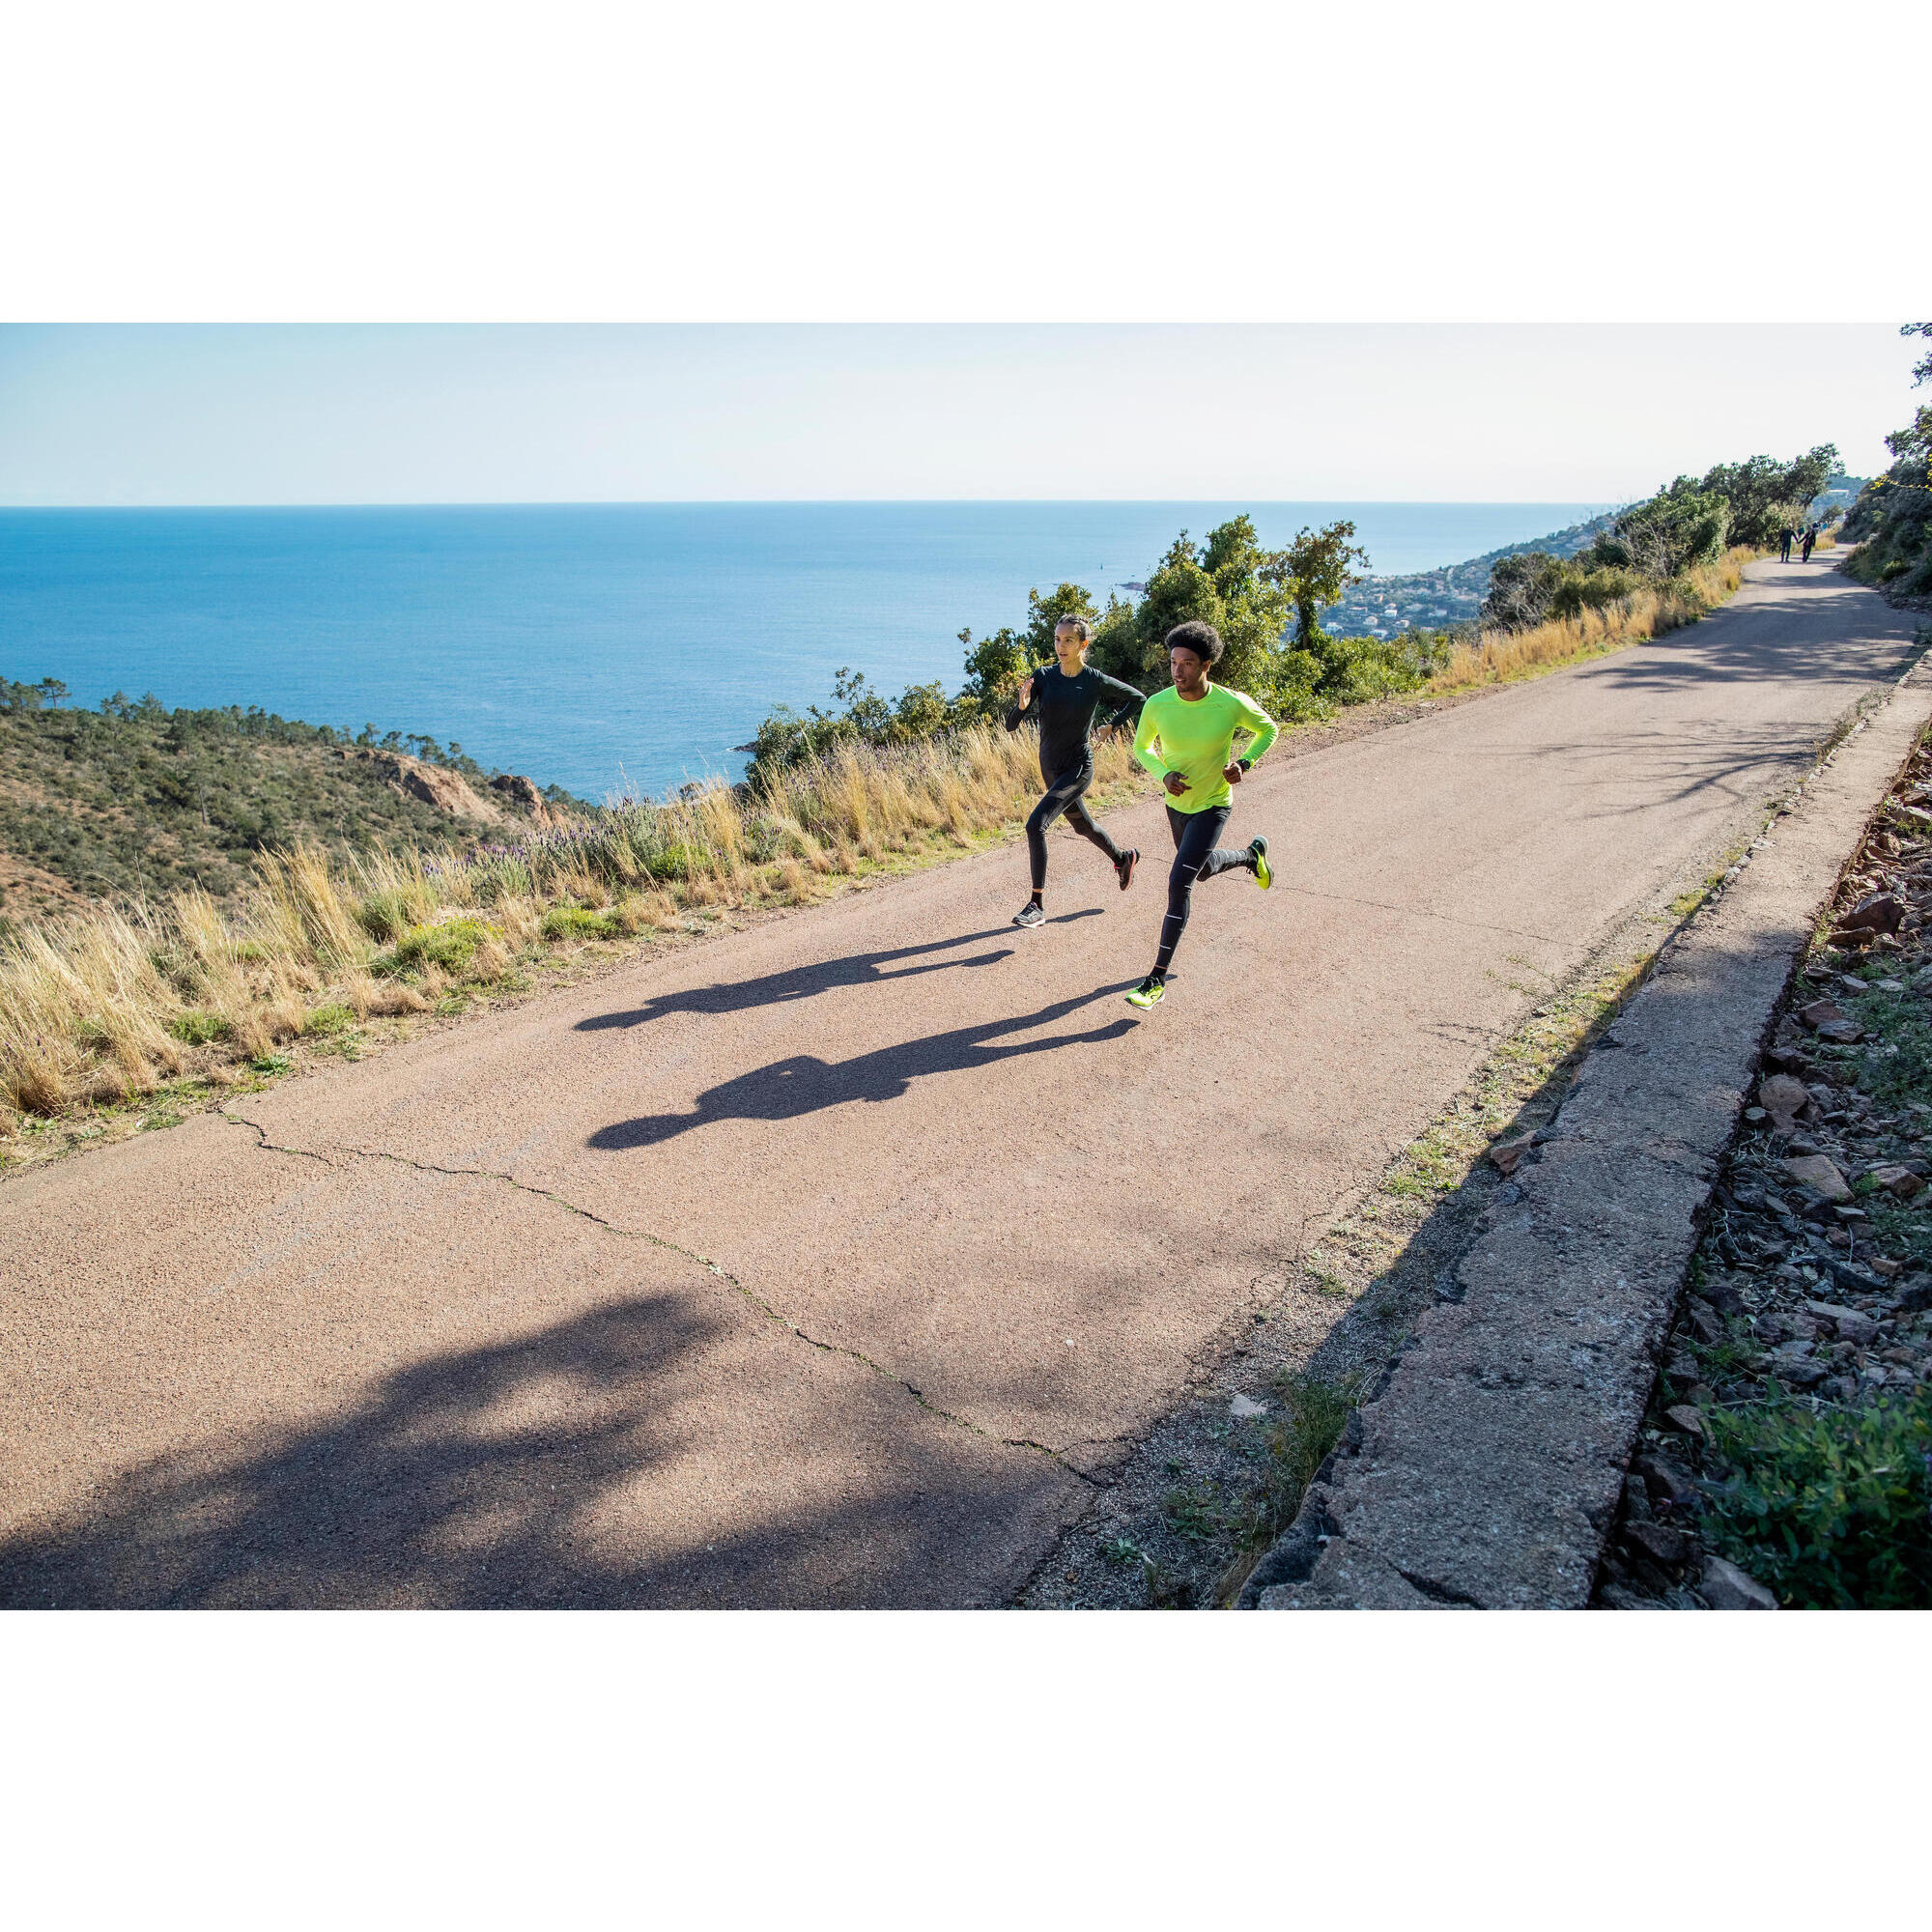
[596, 646]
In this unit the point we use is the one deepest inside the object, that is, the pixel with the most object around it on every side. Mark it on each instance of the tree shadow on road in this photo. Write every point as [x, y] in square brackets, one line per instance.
[582, 1465]
[820, 975]
[1791, 637]
[803, 1083]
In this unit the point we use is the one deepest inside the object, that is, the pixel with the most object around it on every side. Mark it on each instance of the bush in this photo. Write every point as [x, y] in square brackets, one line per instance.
[452, 946]
[329, 1019]
[568, 921]
[674, 860]
[195, 1028]
[1832, 1509]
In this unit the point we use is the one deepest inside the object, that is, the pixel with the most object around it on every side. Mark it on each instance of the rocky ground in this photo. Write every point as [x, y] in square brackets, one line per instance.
[1787, 1456]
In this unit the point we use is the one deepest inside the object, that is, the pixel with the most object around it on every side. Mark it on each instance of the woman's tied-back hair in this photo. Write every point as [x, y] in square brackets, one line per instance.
[1202, 639]
[1079, 624]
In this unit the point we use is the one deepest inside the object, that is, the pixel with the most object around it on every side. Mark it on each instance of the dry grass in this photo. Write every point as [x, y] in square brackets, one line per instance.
[109, 1003]
[1497, 657]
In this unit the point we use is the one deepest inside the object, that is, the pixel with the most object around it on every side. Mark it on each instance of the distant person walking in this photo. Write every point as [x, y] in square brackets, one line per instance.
[1810, 537]
[1784, 537]
[1194, 722]
[1064, 697]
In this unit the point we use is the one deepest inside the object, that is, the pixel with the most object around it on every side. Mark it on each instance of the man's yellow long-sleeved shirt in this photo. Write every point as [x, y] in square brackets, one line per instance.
[1196, 740]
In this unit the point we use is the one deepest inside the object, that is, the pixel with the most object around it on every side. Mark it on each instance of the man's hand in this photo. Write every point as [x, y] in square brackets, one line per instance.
[1025, 692]
[1235, 773]
[1176, 785]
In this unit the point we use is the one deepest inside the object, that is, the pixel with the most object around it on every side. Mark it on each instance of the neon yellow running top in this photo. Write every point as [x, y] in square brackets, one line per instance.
[1196, 740]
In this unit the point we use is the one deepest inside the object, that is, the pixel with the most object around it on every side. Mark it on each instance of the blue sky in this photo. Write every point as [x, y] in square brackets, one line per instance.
[135, 415]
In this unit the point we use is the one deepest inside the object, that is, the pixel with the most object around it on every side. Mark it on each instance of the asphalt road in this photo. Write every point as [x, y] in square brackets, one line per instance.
[830, 1262]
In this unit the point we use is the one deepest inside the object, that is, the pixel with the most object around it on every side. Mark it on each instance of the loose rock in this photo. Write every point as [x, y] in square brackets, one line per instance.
[1815, 1172]
[1897, 1180]
[1727, 1587]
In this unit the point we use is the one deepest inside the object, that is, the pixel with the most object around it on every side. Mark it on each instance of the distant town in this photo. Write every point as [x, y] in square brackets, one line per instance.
[1441, 600]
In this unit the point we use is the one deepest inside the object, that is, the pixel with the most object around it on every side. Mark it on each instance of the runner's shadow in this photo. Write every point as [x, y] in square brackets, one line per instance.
[823, 975]
[804, 1083]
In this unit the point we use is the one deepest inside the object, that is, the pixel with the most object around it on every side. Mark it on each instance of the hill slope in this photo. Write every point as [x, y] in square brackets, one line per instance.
[137, 801]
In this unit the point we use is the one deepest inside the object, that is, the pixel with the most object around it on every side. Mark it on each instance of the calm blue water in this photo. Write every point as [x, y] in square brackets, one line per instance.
[586, 644]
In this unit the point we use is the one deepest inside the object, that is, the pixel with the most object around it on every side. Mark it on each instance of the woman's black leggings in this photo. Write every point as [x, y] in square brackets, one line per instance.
[1063, 796]
[1196, 856]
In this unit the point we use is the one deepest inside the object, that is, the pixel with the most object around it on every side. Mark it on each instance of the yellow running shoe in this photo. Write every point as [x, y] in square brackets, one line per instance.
[1148, 993]
[1264, 877]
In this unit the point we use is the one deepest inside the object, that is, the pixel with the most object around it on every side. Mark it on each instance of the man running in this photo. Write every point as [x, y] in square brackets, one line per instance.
[1194, 723]
[1064, 697]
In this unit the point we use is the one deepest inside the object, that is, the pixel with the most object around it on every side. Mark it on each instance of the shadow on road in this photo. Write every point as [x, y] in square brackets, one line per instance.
[1792, 634]
[821, 976]
[513, 1477]
[803, 1083]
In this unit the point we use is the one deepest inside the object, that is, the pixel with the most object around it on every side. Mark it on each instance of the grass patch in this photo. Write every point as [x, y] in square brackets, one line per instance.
[1315, 1412]
[1195, 1515]
[195, 1028]
[270, 1063]
[1832, 1508]
[569, 922]
[329, 1019]
[451, 947]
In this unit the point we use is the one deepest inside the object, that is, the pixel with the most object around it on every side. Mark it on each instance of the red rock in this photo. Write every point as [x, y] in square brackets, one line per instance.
[1815, 1172]
[1897, 1180]
[1882, 913]
[1784, 1098]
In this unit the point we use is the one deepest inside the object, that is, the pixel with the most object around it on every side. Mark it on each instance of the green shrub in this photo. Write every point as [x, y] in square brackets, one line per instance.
[567, 922]
[196, 1028]
[272, 1063]
[326, 1020]
[1832, 1508]
[452, 946]
[675, 862]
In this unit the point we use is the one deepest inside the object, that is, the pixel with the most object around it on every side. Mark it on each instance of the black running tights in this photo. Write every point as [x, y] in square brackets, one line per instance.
[1063, 796]
[1196, 856]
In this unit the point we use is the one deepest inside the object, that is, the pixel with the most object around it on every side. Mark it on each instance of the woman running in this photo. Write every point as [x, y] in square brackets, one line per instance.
[1064, 697]
[1194, 723]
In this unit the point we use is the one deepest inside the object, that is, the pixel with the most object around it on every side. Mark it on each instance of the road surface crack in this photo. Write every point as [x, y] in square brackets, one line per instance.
[750, 1294]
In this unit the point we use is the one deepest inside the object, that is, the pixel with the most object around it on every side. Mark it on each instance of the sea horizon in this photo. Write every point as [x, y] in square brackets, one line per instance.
[601, 644]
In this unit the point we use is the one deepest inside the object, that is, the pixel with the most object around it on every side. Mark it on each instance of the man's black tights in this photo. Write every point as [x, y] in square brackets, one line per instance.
[1196, 856]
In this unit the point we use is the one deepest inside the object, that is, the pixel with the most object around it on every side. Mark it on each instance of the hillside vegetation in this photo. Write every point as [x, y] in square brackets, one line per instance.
[1891, 521]
[1656, 564]
[136, 802]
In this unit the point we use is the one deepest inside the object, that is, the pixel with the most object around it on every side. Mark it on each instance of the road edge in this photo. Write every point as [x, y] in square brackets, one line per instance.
[1485, 1469]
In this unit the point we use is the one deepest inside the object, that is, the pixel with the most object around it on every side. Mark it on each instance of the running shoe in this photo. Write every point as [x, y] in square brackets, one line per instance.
[1148, 993]
[1258, 850]
[1125, 868]
[1030, 914]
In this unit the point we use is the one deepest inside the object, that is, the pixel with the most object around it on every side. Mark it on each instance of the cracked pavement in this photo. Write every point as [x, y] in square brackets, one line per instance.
[833, 1260]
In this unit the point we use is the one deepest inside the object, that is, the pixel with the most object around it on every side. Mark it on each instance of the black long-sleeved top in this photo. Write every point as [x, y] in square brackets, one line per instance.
[1066, 706]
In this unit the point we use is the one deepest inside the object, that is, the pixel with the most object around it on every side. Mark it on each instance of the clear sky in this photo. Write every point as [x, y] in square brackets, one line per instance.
[482, 414]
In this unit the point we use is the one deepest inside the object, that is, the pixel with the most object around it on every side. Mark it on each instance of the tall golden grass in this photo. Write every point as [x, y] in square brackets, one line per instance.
[1496, 657]
[107, 1005]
